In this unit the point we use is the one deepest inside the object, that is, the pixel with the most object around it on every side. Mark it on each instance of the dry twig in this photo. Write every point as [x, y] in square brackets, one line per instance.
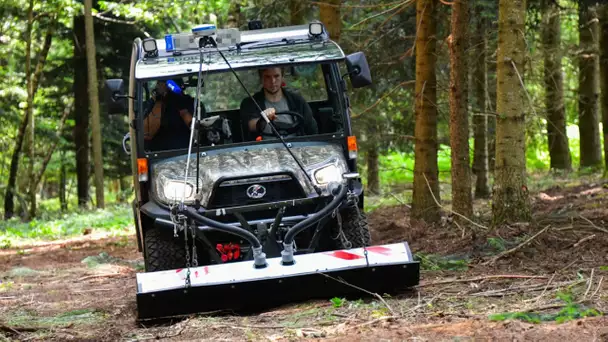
[518, 289]
[583, 240]
[599, 286]
[590, 283]
[593, 224]
[468, 280]
[109, 275]
[362, 289]
[515, 249]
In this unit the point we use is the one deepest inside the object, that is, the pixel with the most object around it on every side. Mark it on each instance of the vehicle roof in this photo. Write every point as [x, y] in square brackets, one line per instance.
[258, 48]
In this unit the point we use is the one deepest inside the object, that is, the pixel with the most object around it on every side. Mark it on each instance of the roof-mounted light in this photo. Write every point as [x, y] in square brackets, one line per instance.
[150, 47]
[315, 29]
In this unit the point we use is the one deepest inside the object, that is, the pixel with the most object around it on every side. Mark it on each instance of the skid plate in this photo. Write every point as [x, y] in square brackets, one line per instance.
[239, 286]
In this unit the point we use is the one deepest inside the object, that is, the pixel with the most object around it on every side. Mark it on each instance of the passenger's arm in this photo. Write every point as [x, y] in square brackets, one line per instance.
[153, 120]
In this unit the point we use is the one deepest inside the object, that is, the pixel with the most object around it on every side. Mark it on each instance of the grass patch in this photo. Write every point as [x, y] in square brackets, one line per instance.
[30, 318]
[112, 219]
[569, 312]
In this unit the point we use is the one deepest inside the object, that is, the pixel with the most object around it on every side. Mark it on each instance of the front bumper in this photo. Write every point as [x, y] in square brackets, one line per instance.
[240, 286]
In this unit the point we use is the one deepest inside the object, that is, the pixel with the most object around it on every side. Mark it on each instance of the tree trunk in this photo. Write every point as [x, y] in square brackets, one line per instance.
[426, 172]
[81, 113]
[559, 150]
[297, 12]
[62, 184]
[373, 174]
[329, 12]
[604, 80]
[510, 201]
[589, 87]
[459, 119]
[94, 103]
[480, 119]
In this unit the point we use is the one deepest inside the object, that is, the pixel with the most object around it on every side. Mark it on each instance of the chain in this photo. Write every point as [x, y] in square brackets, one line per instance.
[347, 244]
[187, 257]
[355, 200]
[194, 257]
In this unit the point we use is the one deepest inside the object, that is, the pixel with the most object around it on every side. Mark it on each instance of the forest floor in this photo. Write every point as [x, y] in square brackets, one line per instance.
[544, 281]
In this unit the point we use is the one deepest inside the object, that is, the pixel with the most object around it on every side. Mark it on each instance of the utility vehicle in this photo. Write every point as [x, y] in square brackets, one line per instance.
[231, 221]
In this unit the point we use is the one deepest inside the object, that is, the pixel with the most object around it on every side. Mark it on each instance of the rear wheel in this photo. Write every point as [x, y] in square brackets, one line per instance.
[355, 229]
[163, 251]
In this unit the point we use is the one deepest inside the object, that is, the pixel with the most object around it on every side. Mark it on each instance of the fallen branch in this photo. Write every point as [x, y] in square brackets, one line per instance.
[590, 283]
[583, 240]
[109, 275]
[537, 299]
[593, 224]
[512, 250]
[8, 297]
[17, 330]
[518, 289]
[468, 280]
[450, 210]
[552, 306]
[361, 289]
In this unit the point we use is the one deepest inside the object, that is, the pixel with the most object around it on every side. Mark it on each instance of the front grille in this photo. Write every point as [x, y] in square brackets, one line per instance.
[231, 193]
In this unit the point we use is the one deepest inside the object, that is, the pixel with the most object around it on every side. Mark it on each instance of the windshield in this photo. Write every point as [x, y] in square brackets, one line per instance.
[230, 116]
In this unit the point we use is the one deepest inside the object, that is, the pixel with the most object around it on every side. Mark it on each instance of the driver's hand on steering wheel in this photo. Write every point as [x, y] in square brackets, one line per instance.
[271, 113]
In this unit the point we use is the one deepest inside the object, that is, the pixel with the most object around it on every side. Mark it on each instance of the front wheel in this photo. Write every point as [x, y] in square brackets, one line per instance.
[163, 251]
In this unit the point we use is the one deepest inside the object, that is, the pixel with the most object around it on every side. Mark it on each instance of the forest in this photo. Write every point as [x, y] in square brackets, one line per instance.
[482, 142]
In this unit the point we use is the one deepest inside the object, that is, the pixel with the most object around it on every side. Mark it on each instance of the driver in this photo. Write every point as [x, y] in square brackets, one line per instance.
[272, 99]
[168, 116]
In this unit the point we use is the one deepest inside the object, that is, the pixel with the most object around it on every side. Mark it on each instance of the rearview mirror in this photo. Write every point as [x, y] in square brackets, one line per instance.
[358, 70]
[115, 97]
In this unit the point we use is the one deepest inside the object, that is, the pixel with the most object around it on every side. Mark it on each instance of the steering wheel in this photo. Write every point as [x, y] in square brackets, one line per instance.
[299, 119]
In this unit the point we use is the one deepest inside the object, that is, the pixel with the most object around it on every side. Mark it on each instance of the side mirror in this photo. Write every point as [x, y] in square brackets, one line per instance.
[358, 70]
[115, 97]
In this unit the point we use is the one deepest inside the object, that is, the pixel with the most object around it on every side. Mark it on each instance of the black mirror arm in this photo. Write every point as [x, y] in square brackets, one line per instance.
[355, 71]
[115, 97]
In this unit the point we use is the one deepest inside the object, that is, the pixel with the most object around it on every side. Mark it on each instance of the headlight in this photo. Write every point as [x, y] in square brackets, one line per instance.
[174, 190]
[328, 174]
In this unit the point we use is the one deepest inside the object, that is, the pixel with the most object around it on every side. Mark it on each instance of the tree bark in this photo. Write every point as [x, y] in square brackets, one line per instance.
[329, 12]
[604, 79]
[425, 130]
[510, 201]
[81, 113]
[589, 88]
[373, 174]
[480, 119]
[94, 104]
[559, 151]
[9, 208]
[459, 119]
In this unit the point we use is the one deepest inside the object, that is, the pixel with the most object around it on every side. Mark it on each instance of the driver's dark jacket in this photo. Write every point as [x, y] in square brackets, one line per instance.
[295, 103]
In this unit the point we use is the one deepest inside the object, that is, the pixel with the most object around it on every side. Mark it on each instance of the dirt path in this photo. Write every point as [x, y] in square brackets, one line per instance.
[84, 289]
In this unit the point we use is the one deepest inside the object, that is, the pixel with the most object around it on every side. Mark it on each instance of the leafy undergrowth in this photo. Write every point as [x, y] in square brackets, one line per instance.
[113, 220]
[570, 311]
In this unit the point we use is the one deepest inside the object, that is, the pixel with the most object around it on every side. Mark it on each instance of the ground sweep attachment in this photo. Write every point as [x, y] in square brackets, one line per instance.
[241, 286]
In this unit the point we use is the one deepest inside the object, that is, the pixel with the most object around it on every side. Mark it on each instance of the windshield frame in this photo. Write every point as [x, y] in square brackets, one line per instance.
[333, 88]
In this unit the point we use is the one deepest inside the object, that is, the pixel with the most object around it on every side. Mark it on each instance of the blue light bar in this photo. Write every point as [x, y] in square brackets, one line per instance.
[169, 42]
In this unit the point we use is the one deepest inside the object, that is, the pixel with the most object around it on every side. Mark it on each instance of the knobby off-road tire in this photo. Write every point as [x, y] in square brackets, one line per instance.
[354, 227]
[163, 251]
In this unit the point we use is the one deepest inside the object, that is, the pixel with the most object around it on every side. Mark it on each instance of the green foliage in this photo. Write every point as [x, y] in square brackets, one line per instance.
[432, 262]
[497, 243]
[337, 302]
[603, 268]
[114, 219]
[78, 317]
[570, 311]
[96, 260]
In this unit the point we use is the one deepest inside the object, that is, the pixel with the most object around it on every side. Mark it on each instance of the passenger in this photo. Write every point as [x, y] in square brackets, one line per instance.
[273, 98]
[168, 116]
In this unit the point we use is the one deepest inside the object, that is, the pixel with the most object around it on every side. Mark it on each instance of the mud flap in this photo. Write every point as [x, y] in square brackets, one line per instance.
[241, 287]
